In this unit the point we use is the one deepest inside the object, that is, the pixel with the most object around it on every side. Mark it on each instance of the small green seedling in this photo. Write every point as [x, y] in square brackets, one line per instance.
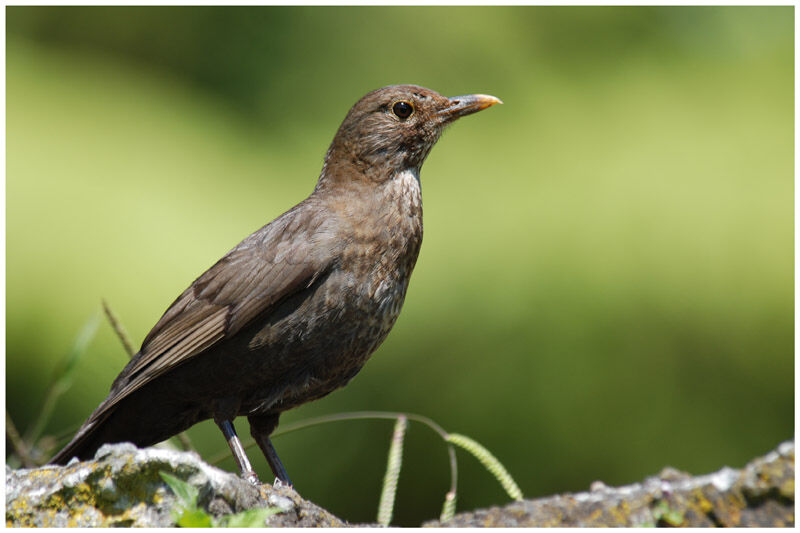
[188, 514]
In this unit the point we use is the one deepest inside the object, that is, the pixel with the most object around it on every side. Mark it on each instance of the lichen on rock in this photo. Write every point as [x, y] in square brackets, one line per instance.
[122, 486]
[760, 494]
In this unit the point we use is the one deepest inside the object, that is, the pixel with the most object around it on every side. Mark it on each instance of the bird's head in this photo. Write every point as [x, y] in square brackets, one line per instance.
[393, 129]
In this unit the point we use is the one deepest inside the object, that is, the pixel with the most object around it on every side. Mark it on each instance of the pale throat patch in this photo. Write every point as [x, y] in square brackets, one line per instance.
[408, 185]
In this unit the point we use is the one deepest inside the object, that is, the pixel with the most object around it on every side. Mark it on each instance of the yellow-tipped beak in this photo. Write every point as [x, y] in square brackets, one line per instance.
[467, 104]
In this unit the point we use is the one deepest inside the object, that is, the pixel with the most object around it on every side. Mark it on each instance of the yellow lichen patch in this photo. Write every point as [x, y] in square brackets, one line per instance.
[56, 501]
[733, 507]
[22, 516]
[620, 514]
[702, 501]
[84, 493]
[18, 506]
[43, 475]
[597, 513]
[786, 489]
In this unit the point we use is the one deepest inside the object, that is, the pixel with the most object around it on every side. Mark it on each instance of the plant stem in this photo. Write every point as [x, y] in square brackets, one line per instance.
[119, 329]
[16, 441]
[62, 378]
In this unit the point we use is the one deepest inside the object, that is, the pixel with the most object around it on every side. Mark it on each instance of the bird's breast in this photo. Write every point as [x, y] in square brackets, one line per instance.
[355, 304]
[377, 259]
[385, 240]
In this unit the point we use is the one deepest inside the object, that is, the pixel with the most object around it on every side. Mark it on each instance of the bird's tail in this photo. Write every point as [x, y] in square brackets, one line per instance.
[86, 441]
[80, 446]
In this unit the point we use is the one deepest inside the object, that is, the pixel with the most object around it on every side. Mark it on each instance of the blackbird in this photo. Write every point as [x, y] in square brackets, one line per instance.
[293, 311]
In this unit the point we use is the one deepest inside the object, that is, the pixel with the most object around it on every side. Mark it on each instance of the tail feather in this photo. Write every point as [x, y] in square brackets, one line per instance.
[88, 438]
[144, 417]
[81, 445]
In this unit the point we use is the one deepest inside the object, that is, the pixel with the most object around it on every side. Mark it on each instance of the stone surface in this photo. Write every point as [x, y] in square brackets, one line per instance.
[760, 494]
[122, 487]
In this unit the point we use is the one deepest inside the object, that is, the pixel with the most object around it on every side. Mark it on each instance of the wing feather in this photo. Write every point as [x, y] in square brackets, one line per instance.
[262, 270]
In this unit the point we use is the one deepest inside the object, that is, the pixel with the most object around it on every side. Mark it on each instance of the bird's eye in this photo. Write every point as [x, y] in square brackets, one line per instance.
[402, 110]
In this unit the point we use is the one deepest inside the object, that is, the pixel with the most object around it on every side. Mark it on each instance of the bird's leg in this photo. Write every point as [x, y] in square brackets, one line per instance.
[238, 451]
[274, 461]
[260, 428]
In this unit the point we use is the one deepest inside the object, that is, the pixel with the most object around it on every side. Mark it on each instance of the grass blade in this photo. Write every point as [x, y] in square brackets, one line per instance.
[62, 380]
[490, 462]
[393, 466]
[119, 329]
[20, 448]
[449, 507]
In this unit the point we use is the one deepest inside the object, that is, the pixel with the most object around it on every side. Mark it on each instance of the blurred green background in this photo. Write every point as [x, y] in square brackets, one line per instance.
[606, 282]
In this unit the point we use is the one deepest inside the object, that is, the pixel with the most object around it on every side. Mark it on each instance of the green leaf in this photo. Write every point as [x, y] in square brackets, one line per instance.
[665, 514]
[195, 518]
[186, 493]
[250, 518]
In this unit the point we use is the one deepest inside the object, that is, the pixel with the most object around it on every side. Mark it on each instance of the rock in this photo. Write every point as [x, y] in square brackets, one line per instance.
[122, 486]
[760, 494]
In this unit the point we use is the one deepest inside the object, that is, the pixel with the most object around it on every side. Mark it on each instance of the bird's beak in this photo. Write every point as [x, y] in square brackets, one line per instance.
[467, 104]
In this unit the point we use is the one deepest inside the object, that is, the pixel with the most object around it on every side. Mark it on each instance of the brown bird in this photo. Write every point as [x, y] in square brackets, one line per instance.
[293, 311]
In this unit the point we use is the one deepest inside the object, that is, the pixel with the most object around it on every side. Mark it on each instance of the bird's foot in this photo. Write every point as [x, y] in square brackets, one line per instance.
[277, 484]
[252, 477]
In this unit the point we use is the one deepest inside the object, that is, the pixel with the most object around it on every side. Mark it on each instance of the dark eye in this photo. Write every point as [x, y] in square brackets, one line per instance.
[402, 109]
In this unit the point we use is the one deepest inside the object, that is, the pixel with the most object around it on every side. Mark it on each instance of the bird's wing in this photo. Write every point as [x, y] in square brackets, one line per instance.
[283, 257]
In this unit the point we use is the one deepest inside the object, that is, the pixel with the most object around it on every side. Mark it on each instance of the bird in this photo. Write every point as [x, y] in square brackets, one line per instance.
[292, 312]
